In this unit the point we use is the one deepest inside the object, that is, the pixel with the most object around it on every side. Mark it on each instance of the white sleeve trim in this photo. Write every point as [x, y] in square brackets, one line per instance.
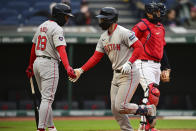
[60, 45]
[100, 50]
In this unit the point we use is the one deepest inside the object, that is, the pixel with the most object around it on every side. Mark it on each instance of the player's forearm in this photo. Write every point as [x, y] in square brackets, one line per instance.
[138, 48]
[165, 62]
[33, 55]
[92, 61]
[63, 56]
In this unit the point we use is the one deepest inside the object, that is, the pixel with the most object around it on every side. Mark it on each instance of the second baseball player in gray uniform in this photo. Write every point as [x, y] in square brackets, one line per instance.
[47, 51]
[122, 47]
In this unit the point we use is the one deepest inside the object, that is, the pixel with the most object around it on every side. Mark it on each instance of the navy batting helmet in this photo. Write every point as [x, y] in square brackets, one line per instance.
[59, 11]
[107, 16]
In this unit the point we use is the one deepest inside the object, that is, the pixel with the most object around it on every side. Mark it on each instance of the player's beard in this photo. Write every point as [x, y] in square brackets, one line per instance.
[61, 23]
[104, 25]
[155, 19]
[59, 20]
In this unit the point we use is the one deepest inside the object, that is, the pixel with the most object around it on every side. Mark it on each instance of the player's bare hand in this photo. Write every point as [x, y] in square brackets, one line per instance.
[126, 68]
[165, 75]
[70, 72]
[78, 72]
[29, 71]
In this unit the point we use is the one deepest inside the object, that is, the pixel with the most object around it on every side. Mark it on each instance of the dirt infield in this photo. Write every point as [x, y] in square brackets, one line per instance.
[80, 118]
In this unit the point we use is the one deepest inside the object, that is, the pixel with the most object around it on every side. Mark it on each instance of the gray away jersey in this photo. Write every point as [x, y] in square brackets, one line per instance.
[48, 36]
[117, 46]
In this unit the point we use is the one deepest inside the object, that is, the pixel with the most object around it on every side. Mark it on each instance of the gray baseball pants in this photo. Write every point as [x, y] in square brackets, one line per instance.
[47, 75]
[122, 90]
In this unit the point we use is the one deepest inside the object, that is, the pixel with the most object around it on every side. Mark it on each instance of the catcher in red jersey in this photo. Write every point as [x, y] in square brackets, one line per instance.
[122, 48]
[47, 51]
[151, 33]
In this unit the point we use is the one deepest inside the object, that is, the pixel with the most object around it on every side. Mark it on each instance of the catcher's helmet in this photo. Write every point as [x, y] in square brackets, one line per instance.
[108, 15]
[154, 7]
[151, 7]
[162, 9]
[59, 11]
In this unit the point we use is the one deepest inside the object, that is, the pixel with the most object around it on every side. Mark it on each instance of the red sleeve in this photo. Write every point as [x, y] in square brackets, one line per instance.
[138, 32]
[139, 29]
[33, 56]
[138, 48]
[92, 61]
[63, 55]
[164, 37]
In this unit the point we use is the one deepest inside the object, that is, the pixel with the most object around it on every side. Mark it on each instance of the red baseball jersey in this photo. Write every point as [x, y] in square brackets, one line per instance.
[152, 37]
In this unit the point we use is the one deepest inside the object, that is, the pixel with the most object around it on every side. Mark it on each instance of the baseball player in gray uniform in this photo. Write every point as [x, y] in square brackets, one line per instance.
[123, 48]
[47, 51]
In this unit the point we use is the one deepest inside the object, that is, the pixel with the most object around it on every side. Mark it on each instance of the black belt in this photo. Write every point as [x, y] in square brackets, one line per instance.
[117, 71]
[150, 60]
[43, 56]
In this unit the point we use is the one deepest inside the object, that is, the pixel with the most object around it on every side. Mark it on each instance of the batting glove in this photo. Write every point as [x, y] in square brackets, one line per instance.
[78, 72]
[126, 68]
[29, 71]
[70, 72]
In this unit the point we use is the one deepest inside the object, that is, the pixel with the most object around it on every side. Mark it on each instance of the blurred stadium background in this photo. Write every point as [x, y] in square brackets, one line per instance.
[90, 95]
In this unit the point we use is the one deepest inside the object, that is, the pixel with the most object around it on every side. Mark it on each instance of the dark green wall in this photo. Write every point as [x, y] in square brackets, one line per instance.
[95, 84]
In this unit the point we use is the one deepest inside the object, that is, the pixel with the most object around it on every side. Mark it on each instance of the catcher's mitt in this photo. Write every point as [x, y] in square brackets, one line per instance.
[165, 75]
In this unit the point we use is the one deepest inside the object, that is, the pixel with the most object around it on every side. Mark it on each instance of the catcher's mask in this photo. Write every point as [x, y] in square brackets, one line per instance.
[107, 16]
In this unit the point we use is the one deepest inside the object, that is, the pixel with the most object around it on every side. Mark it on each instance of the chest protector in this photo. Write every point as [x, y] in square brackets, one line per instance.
[152, 39]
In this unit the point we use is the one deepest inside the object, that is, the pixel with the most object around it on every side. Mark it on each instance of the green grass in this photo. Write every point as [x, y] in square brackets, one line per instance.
[93, 125]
